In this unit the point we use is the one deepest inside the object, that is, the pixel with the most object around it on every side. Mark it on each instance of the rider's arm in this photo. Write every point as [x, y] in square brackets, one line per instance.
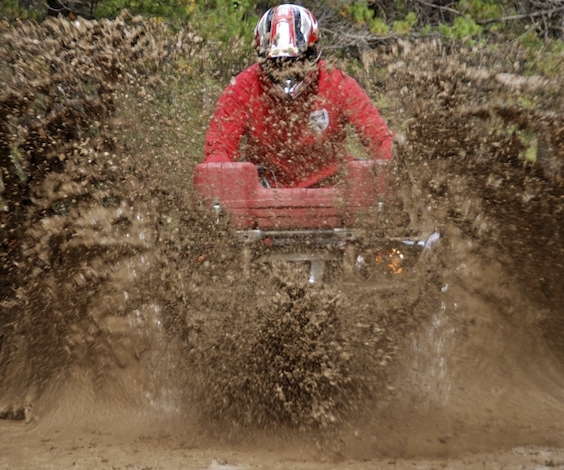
[227, 125]
[364, 116]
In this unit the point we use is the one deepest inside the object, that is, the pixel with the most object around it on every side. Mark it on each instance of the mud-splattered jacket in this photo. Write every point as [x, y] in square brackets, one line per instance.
[302, 141]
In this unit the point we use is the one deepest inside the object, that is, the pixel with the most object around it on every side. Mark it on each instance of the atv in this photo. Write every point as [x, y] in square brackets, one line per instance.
[333, 232]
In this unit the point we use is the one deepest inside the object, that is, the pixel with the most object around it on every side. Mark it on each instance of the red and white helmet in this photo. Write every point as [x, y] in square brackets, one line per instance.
[286, 31]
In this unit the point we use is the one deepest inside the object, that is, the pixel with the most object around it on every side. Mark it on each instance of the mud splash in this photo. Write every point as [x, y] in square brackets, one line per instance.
[103, 308]
[78, 230]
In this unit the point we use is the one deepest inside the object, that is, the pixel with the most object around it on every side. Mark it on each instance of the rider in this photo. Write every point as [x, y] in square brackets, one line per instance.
[292, 108]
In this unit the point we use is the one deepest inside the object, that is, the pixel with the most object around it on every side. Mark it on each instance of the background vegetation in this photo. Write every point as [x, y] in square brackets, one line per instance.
[354, 21]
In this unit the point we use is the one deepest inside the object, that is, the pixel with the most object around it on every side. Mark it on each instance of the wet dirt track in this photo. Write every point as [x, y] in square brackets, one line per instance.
[95, 450]
[110, 357]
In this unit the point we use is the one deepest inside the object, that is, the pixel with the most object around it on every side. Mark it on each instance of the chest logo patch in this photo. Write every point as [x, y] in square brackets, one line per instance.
[319, 120]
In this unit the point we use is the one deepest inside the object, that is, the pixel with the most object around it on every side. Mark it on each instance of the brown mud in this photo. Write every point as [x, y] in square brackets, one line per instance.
[126, 340]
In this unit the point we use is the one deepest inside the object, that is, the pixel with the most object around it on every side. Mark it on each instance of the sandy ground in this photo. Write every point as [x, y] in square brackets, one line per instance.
[26, 446]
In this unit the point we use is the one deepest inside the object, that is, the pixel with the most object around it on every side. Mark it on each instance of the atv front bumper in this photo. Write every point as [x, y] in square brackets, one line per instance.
[355, 252]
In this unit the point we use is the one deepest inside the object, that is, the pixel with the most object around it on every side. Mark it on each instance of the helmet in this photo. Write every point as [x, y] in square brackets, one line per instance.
[286, 31]
[286, 42]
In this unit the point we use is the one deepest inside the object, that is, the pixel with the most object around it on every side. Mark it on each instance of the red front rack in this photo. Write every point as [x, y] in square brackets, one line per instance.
[237, 189]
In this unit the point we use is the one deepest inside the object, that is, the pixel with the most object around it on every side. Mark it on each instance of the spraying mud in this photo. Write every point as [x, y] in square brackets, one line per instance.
[126, 338]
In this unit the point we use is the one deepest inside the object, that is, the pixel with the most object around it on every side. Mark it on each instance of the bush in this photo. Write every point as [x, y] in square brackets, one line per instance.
[461, 29]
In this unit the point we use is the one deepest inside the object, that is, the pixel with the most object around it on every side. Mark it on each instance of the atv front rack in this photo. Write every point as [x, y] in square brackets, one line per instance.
[308, 225]
[235, 189]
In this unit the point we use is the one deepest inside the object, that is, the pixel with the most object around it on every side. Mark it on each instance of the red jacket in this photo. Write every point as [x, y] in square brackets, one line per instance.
[301, 140]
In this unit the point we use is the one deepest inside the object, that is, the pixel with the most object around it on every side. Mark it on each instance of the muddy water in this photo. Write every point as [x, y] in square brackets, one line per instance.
[474, 379]
[119, 348]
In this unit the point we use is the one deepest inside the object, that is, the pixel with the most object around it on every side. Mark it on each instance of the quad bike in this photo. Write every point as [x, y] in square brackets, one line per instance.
[334, 232]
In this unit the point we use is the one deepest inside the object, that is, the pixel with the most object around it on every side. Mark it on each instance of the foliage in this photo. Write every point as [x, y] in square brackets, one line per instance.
[543, 57]
[454, 20]
[530, 146]
[462, 28]
[379, 26]
[359, 12]
[362, 14]
[483, 9]
[18, 162]
[178, 9]
[224, 20]
[217, 20]
[405, 26]
[11, 9]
